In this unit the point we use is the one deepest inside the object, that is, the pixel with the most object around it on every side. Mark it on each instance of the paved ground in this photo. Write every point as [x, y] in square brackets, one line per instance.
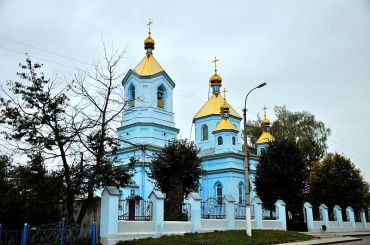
[365, 241]
[355, 238]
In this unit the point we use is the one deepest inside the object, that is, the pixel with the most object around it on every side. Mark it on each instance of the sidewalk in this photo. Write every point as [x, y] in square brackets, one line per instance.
[332, 237]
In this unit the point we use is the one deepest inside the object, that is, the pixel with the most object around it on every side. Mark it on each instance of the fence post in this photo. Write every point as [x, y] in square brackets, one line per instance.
[280, 211]
[157, 199]
[351, 216]
[230, 211]
[363, 218]
[338, 215]
[195, 201]
[325, 215]
[24, 234]
[309, 215]
[257, 206]
[62, 232]
[93, 234]
[109, 211]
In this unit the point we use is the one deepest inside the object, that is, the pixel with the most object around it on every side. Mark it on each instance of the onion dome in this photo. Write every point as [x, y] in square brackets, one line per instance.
[215, 80]
[224, 109]
[149, 44]
[266, 136]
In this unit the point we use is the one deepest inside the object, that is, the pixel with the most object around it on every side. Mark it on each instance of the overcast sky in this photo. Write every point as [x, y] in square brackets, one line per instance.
[314, 55]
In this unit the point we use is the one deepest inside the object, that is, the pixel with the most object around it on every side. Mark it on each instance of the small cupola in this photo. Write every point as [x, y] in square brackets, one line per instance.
[149, 41]
[215, 80]
[266, 136]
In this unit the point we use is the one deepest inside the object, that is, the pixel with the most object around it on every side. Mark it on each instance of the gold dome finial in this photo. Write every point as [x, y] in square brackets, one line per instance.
[215, 80]
[265, 122]
[149, 42]
[266, 136]
[224, 108]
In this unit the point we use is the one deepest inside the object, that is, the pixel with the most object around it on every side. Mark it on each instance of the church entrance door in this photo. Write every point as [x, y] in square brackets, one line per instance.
[131, 209]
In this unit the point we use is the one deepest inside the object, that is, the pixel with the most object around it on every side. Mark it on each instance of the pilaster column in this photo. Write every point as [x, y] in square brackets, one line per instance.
[363, 219]
[195, 203]
[325, 215]
[338, 215]
[257, 206]
[351, 216]
[109, 211]
[309, 215]
[157, 199]
[230, 211]
[280, 211]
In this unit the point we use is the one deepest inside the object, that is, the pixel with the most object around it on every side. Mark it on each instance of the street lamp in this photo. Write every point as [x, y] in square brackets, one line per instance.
[246, 166]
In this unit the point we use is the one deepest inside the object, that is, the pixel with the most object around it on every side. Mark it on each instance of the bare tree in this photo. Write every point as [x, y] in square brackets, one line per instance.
[101, 105]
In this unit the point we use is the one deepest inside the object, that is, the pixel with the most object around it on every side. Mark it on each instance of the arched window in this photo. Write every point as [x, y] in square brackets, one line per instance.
[160, 96]
[220, 140]
[219, 193]
[131, 95]
[234, 140]
[240, 189]
[263, 151]
[205, 132]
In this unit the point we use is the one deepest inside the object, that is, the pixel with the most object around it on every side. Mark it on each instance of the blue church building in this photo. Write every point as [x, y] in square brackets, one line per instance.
[148, 123]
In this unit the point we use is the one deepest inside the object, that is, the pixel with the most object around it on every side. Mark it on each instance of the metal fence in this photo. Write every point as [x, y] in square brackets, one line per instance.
[240, 211]
[41, 235]
[135, 209]
[186, 209]
[269, 214]
[211, 209]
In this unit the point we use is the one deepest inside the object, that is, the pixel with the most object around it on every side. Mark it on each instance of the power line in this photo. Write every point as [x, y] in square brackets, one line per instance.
[44, 50]
[47, 60]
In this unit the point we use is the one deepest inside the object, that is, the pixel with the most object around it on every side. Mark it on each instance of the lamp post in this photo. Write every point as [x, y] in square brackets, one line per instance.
[246, 166]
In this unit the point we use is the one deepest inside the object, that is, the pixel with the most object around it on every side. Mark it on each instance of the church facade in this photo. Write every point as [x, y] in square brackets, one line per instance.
[148, 123]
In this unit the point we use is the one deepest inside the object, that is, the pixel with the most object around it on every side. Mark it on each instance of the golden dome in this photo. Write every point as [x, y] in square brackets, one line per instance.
[224, 108]
[266, 136]
[212, 107]
[215, 80]
[265, 122]
[149, 43]
[149, 40]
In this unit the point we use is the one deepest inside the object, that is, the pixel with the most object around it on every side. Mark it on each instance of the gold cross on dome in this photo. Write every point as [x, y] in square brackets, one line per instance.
[224, 91]
[149, 23]
[215, 61]
[264, 109]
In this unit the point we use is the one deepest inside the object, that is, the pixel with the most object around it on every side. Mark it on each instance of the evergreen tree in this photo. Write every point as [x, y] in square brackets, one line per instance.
[176, 170]
[282, 174]
[32, 194]
[336, 181]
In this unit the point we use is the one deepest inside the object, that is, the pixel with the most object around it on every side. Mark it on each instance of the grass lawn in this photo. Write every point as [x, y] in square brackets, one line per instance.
[225, 237]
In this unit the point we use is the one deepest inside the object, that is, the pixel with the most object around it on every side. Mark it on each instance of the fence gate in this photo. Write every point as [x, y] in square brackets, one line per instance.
[212, 209]
[135, 208]
[296, 219]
